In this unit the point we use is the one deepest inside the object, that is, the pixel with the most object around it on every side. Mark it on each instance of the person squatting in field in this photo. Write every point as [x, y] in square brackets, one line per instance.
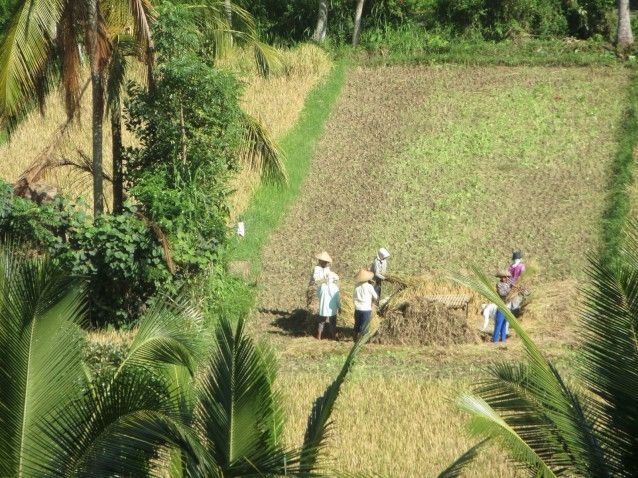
[379, 268]
[517, 268]
[503, 288]
[323, 286]
[364, 294]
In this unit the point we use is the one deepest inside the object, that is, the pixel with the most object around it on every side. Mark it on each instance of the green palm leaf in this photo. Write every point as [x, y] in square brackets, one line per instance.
[319, 420]
[260, 153]
[24, 54]
[456, 469]
[238, 415]
[608, 361]
[486, 422]
[116, 429]
[41, 343]
[551, 408]
[166, 335]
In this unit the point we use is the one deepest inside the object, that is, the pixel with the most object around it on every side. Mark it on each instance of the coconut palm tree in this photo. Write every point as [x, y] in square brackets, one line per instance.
[43, 47]
[47, 393]
[548, 425]
[158, 407]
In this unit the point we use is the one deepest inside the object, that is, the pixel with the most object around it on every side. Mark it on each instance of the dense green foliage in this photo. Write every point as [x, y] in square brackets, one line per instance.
[214, 408]
[484, 19]
[189, 129]
[120, 256]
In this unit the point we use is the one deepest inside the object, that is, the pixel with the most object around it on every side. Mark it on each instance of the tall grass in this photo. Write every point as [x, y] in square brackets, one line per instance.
[270, 201]
[618, 208]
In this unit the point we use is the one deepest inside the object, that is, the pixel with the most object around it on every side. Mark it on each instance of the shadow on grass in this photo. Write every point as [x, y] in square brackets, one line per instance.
[295, 324]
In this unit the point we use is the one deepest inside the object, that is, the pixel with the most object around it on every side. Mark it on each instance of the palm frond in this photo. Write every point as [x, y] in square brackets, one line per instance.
[260, 153]
[456, 469]
[319, 422]
[116, 429]
[608, 361]
[41, 343]
[166, 336]
[236, 408]
[486, 422]
[562, 407]
[70, 59]
[24, 53]
[116, 74]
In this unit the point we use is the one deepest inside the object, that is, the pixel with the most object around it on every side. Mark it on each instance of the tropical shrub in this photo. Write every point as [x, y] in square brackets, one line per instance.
[121, 257]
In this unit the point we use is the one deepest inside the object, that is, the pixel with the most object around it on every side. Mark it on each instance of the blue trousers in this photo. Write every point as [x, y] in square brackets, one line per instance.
[500, 327]
[361, 321]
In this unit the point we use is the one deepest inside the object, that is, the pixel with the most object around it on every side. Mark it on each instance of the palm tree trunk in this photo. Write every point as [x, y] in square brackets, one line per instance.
[118, 177]
[228, 9]
[322, 22]
[357, 23]
[97, 84]
[625, 38]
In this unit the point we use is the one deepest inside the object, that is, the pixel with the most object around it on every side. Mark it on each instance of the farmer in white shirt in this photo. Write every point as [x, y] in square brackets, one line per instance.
[489, 312]
[364, 294]
[321, 271]
[379, 267]
[329, 302]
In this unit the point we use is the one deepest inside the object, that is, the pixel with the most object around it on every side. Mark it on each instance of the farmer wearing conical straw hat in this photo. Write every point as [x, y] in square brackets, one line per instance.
[329, 302]
[379, 267]
[364, 294]
[321, 272]
[503, 288]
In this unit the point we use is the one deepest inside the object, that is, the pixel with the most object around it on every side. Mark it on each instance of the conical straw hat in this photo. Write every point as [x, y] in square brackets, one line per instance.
[323, 256]
[363, 276]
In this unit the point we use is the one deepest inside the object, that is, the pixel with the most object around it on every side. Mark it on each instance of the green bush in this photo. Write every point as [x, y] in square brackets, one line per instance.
[121, 256]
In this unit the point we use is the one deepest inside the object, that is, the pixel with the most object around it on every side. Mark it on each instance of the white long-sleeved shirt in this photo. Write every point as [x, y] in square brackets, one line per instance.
[379, 267]
[363, 296]
[320, 274]
[489, 312]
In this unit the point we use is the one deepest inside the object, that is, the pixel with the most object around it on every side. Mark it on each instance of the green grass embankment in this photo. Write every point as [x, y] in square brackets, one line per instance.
[271, 201]
[236, 297]
[617, 211]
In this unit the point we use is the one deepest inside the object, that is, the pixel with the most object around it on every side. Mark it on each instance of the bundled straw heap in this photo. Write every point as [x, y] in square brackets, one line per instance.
[410, 318]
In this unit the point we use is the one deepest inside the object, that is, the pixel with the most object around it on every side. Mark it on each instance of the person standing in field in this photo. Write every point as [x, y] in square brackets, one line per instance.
[503, 288]
[329, 302]
[517, 267]
[320, 275]
[364, 294]
[379, 267]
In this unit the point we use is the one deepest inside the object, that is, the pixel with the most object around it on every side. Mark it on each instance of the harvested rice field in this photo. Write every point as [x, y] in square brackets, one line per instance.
[448, 167]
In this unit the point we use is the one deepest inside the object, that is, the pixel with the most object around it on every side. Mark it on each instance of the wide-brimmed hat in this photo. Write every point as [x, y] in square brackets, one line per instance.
[503, 273]
[363, 275]
[323, 256]
[383, 253]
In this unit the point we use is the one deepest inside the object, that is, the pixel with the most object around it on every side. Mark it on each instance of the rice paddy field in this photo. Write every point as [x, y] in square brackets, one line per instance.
[448, 167]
